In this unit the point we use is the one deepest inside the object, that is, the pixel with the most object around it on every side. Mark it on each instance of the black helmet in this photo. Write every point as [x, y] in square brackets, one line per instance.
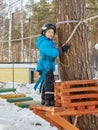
[48, 26]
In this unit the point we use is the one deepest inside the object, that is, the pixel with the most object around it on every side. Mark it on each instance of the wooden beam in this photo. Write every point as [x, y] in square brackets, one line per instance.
[62, 122]
[44, 116]
[12, 95]
[76, 112]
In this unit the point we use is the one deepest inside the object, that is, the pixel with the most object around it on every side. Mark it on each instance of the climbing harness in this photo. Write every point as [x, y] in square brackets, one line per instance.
[41, 81]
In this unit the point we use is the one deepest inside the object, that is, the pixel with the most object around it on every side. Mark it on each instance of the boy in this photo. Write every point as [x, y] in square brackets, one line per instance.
[46, 63]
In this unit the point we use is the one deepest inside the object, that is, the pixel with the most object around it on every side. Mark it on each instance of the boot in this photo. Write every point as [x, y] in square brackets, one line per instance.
[42, 102]
[47, 103]
[52, 103]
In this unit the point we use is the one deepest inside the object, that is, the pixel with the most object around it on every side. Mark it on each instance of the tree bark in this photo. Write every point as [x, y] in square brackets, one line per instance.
[77, 62]
[76, 65]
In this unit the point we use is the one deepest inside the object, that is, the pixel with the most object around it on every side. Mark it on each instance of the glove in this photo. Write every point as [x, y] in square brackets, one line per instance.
[64, 48]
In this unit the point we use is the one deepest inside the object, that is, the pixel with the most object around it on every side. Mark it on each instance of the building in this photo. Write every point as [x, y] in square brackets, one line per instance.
[18, 73]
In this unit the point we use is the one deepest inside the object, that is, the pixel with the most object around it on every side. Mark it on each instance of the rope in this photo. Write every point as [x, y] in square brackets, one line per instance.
[73, 32]
[75, 121]
[74, 21]
[67, 21]
[67, 58]
[67, 42]
[34, 36]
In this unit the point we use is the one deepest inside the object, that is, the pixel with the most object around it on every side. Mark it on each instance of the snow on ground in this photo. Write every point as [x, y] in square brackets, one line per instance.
[15, 118]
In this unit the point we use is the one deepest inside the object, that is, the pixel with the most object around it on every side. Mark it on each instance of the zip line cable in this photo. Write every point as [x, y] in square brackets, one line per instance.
[62, 22]
[14, 40]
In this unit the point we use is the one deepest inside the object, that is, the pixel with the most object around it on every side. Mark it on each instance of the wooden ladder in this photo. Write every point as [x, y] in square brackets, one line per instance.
[72, 98]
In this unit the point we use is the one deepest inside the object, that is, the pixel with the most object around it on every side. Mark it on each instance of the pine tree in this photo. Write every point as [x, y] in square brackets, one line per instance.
[76, 65]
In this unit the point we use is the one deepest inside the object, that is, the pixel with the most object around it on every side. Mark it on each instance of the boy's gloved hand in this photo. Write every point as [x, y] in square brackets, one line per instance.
[64, 48]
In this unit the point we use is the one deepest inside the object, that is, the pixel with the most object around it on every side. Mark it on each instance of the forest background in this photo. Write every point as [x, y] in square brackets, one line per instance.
[20, 23]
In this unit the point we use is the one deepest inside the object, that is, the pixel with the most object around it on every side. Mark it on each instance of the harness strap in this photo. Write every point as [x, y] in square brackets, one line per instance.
[41, 81]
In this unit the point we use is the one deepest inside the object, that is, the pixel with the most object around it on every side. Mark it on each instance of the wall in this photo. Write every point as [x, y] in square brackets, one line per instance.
[16, 75]
[16, 72]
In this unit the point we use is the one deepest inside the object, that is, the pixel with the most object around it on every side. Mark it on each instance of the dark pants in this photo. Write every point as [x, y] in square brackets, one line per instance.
[48, 89]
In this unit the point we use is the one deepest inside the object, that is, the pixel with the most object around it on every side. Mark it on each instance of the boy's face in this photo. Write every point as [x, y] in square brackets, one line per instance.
[49, 33]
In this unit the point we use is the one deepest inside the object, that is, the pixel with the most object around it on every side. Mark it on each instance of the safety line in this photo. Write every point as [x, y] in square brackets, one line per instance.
[74, 21]
[67, 21]
[13, 40]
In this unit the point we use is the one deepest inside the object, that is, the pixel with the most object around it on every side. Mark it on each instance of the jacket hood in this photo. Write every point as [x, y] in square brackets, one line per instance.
[39, 40]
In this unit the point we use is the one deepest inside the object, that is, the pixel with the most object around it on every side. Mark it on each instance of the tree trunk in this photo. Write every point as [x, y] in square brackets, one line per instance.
[76, 64]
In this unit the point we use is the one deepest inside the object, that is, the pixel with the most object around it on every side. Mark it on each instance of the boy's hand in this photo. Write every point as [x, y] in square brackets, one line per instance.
[65, 47]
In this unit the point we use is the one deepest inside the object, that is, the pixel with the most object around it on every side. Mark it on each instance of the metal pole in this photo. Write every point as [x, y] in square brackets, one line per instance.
[10, 35]
[22, 43]
[30, 41]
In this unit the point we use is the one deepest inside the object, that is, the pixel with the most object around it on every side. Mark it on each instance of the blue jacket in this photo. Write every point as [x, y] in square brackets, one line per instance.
[48, 53]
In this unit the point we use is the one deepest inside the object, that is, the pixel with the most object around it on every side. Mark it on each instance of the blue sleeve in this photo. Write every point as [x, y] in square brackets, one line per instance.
[49, 49]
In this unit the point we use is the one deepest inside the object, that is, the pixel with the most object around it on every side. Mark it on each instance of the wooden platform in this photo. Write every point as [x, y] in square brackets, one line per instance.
[77, 95]
[72, 98]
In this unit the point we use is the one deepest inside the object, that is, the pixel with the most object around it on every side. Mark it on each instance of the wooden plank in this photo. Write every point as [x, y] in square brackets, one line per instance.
[46, 108]
[44, 116]
[76, 112]
[32, 102]
[58, 95]
[83, 96]
[62, 122]
[2, 90]
[78, 103]
[12, 100]
[76, 82]
[80, 89]
[12, 95]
